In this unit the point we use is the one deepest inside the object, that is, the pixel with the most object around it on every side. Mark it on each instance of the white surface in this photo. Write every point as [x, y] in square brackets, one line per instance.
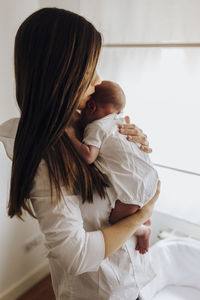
[163, 222]
[72, 5]
[178, 293]
[176, 262]
[12, 13]
[180, 196]
[139, 21]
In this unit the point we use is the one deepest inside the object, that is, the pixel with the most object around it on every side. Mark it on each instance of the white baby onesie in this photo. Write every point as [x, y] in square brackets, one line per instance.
[129, 169]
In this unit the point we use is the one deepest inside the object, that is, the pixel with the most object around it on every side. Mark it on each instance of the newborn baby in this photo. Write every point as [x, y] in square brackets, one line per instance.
[129, 169]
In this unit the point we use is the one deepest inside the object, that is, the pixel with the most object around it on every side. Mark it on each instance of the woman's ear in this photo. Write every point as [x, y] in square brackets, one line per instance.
[92, 105]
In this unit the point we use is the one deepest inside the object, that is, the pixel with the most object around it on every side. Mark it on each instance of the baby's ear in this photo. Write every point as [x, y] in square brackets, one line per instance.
[92, 105]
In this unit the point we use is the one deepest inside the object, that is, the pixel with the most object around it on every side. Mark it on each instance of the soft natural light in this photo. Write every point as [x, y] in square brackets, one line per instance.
[162, 87]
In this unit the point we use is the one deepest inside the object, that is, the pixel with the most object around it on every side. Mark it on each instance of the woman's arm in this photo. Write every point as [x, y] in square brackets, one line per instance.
[121, 231]
[74, 249]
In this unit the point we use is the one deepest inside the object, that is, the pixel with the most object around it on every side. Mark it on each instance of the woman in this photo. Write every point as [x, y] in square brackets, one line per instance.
[56, 54]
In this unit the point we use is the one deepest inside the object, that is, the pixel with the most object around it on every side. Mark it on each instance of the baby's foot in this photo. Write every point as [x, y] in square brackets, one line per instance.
[143, 241]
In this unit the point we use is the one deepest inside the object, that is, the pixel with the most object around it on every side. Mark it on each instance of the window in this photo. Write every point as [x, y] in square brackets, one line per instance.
[152, 49]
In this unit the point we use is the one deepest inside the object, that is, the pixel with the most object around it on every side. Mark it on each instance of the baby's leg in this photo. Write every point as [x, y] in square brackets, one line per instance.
[143, 238]
[121, 211]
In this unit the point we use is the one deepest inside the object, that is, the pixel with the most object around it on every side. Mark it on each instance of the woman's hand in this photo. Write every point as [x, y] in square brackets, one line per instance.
[135, 134]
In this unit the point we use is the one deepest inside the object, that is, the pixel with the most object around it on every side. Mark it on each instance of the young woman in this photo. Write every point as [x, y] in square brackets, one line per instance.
[56, 54]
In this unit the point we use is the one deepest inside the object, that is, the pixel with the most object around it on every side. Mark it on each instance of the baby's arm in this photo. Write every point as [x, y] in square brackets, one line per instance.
[121, 211]
[87, 152]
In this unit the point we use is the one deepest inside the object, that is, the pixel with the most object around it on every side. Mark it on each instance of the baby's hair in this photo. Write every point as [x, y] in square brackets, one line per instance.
[110, 92]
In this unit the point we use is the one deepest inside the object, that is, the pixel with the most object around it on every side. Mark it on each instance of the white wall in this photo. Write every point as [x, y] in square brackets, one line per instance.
[16, 265]
[11, 15]
[72, 5]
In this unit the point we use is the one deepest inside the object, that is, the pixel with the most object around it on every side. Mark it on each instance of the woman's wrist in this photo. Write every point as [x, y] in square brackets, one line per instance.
[144, 213]
[117, 234]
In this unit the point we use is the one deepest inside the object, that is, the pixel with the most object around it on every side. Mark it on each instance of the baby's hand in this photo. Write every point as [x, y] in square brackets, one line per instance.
[135, 134]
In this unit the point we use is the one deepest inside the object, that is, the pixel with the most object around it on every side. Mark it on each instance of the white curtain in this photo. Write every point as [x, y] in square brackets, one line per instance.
[144, 21]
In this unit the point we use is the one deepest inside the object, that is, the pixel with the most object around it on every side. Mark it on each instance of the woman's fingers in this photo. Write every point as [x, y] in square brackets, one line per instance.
[127, 119]
[135, 134]
[145, 149]
[141, 139]
[130, 130]
[128, 126]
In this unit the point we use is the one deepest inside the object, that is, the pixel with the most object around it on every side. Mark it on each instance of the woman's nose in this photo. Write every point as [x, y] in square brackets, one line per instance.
[97, 80]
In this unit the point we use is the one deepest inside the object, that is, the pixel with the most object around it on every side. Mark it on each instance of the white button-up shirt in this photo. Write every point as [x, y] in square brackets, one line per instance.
[75, 243]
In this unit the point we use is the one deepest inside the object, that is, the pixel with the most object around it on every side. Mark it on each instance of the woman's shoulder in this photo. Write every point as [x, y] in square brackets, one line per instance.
[8, 131]
[42, 186]
[42, 171]
[41, 182]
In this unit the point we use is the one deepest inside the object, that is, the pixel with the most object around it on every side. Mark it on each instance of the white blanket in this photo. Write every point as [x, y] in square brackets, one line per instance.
[177, 263]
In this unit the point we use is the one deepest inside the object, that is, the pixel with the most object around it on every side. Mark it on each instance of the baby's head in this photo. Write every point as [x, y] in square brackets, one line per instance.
[108, 98]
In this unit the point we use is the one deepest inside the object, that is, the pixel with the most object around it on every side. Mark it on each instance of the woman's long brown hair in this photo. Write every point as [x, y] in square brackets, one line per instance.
[56, 53]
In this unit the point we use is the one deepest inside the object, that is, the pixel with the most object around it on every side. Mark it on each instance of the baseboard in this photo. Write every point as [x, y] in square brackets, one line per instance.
[23, 285]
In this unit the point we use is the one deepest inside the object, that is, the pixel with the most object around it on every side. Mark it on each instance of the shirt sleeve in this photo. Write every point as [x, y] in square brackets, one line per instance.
[93, 135]
[74, 249]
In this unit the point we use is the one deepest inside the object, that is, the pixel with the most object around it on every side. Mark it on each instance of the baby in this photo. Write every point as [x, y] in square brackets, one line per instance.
[129, 169]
